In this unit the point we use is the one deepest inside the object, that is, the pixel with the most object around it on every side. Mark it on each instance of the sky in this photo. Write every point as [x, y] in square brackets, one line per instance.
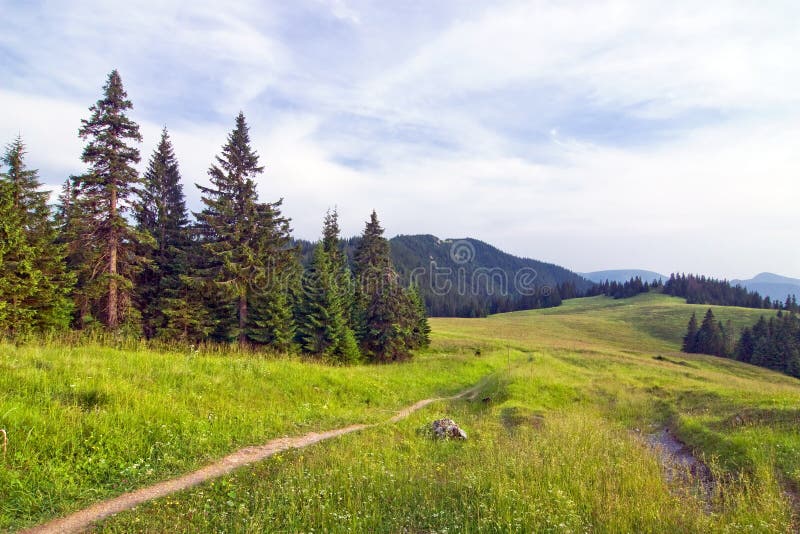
[595, 135]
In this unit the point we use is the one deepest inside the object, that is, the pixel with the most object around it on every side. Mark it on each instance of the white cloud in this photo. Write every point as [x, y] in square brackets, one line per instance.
[456, 139]
[670, 56]
[342, 11]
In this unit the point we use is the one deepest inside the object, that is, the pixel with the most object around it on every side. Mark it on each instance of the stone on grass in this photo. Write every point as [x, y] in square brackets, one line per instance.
[447, 429]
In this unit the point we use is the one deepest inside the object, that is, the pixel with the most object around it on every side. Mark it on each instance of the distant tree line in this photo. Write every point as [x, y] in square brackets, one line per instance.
[773, 343]
[696, 290]
[704, 290]
[623, 290]
[119, 252]
[452, 304]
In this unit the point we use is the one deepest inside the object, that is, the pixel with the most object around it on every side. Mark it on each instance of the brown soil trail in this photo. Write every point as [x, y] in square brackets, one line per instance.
[82, 519]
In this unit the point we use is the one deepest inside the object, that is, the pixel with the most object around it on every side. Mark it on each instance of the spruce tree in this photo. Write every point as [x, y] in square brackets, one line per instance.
[709, 337]
[102, 199]
[272, 318]
[373, 253]
[18, 277]
[72, 226]
[419, 329]
[385, 335]
[690, 339]
[36, 261]
[728, 339]
[161, 214]
[745, 346]
[323, 319]
[248, 242]
[334, 247]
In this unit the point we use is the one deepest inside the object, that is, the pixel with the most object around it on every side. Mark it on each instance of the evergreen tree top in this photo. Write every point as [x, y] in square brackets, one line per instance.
[108, 128]
[330, 233]
[162, 199]
[237, 165]
[108, 113]
[373, 252]
[24, 182]
[238, 157]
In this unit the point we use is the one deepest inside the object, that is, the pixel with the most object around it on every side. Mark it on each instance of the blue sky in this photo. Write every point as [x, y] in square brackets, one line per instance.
[657, 135]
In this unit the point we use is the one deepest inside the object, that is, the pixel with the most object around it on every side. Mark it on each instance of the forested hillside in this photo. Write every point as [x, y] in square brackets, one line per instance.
[470, 278]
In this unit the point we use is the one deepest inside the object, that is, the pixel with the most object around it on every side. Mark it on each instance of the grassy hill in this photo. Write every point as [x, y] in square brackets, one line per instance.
[558, 433]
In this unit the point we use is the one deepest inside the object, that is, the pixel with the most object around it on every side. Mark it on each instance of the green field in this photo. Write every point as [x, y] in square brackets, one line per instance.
[557, 434]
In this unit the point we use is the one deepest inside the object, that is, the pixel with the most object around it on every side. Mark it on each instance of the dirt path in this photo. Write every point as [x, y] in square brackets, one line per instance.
[82, 519]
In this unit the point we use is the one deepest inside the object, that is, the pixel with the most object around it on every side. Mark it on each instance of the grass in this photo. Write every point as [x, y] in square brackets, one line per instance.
[556, 447]
[85, 423]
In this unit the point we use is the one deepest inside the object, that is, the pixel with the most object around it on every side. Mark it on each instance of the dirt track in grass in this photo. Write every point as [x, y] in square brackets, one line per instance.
[83, 519]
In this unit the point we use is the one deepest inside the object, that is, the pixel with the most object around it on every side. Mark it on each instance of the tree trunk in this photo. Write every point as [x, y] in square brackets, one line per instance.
[113, 318]
[242, 319]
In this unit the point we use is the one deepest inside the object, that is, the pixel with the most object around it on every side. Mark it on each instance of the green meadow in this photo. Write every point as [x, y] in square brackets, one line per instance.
[558, 432]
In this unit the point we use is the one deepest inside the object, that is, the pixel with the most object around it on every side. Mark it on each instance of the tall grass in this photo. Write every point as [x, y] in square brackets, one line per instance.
[89, 421]
[555, 435]
[572, 472]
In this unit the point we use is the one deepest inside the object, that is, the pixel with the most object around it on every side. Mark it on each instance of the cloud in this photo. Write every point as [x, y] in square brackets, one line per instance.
[660, 58]
[607, 134]
[342, 11]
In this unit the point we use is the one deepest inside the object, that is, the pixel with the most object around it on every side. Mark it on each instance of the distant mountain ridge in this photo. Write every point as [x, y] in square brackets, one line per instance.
[623, 275]
[775, 286]
[470, 278]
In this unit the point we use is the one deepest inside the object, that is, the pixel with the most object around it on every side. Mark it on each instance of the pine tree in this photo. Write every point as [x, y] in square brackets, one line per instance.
[386, 334]
[36, 261]
[333, 247]
[161, 214]
[709, 337]
[420, 330]
[102, 197]
[323, 319]
[72, 226]
[779, 347]
[774, 344]
[373, 253]
[745, 346]
[248, 242]
[272, 318]
[728, 339]
[690, 339]
[18, 277]
[186, 311]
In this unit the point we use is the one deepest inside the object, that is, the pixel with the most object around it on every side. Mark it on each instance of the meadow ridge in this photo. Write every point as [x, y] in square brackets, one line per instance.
[556, 432]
